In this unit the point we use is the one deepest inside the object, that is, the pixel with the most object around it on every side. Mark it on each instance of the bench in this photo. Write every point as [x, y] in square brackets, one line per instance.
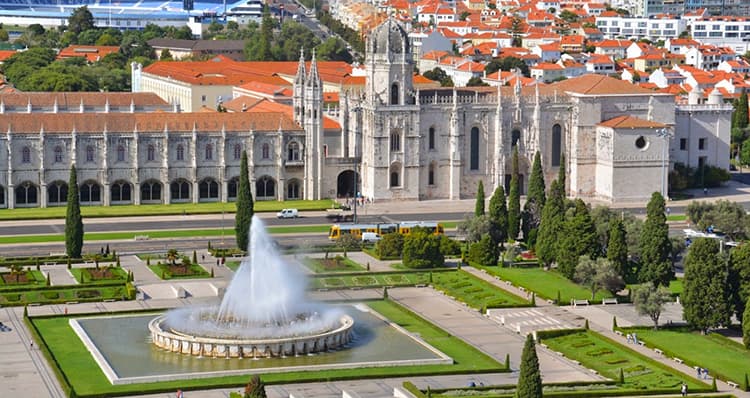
[521, 288]
[617, 332]
[140, 237]
[658, 351]
[640, 342]
[71, 302]
[732, 384]
[576, 303]
[109, 300]
[678, 360]
[609, 301]
[420, 285]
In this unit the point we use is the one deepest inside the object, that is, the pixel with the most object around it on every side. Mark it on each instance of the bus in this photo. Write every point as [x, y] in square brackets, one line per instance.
[405, 228]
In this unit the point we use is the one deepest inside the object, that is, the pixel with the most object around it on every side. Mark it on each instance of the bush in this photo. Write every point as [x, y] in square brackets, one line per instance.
[422, 250]
[683, 177]
[51, 295]
[390, 245]
[84, 294]
[484, 252]
[449, 247]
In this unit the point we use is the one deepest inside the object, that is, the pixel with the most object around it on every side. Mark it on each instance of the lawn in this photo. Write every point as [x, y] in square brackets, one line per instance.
[26, 278]
[369, 279]
[64, 294]
[168, 271]
[233, 264]
[545, 284]
[725, 358]
[100, 275]
[334, 264]
[475, 292]
[607, 357]
[80, 369]
[161, 210]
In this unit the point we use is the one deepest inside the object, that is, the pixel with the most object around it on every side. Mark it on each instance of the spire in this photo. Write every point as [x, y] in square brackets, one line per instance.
[314, 76]
[300, 78]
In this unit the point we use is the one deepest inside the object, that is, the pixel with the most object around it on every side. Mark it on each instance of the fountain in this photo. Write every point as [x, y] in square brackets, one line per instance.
[263, 314]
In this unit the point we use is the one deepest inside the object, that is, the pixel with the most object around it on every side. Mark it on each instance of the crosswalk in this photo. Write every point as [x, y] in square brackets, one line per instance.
[527, 320]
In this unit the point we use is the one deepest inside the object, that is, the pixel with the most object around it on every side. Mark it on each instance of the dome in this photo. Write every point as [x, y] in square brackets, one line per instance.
[390, 36]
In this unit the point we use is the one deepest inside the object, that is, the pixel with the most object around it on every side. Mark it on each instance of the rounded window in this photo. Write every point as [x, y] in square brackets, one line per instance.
[641, 143]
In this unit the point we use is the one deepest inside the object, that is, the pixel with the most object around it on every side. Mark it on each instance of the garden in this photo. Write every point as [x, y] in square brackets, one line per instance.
[338, 263]
[475, 292]
[99, 275]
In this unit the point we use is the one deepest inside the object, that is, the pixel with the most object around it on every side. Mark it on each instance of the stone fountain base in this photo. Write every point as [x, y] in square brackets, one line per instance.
[250, 348]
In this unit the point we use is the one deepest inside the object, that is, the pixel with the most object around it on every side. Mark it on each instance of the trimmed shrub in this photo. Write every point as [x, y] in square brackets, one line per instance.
[391, 245]
[484, 252]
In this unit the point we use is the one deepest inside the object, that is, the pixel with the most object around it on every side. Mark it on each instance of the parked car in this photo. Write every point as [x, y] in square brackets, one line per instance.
[370, 237]
[288, 213]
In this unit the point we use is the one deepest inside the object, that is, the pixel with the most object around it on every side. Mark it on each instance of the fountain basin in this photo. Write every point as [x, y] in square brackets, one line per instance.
[174, 341]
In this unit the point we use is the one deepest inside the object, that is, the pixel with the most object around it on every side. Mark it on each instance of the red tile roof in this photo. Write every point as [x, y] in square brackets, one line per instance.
[630, 122]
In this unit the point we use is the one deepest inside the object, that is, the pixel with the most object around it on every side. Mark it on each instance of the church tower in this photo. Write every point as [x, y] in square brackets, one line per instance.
[299, 88]
[312, 116]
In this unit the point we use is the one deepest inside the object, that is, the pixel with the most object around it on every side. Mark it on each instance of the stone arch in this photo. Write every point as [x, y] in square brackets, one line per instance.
[58, 154]
[556, 145]
[293, 151]
[121, 192]
[265, 188]
[208, 189]
[394, 175]
[26, 155]
[57, 193]
[345, 184]
[266, 151]
[431, 173]
[179, 190]
[515, 137]
[394, 94]
[474, 145]
[431, 138]
[293, 189]
[150, 153]
[151, 191]
[233, 186]
[90, 192]
[180, 152]
[237, 151]
[27, 194]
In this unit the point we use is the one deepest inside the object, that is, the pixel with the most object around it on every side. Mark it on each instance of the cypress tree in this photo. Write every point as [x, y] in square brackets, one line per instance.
[617, 247]
[498, 213]
[529, 377]
[740, 117]
[535, 198]
[577, 239]
[561, 174]
[73, 219]
[244, 215]
[479, 208]
[514, 199]
[507, 361]
[706, 302]
[195, 257]
[746, 325]
[655, 246]
[551, 226]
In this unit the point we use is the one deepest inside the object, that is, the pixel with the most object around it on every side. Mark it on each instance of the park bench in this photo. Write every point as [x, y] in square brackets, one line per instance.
[322, 290]
[521, 288]
[34, 304]
[71, 302]
[678, 360]
[140, 237]
[609, 301]
[617, 332]
[732, 384]
[237, 255]
[109, 300]
[576, 303]
[641, 343]
[421, 285]
[658, 351]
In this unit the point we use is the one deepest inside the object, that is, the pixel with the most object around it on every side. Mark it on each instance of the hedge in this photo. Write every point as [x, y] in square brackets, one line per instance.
[26, 261]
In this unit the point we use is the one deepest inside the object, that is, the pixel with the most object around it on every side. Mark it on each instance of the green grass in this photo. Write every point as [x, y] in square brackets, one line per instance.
[372, 279]
[545, 284]
[608, 357]
[722, 356]
[676, 217]
[77, 365]
[473, 291]
[333, 264]
[161, 210]
[34, 278]
[233, 264]
[119, 274]
[63, 294]
[163, 272]
[675, 287]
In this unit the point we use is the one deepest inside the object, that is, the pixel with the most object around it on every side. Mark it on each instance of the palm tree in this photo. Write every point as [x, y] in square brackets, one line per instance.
[16, 270]
[172, 256]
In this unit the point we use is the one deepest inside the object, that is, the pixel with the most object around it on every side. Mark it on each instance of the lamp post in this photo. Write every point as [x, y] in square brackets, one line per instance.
[664, 133]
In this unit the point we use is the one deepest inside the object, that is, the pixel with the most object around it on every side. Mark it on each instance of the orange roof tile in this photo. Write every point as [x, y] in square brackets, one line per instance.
[630, 122]
[91, 53]
[594, 84]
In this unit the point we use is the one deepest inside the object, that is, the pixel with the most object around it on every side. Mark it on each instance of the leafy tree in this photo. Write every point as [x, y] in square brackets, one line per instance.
[422, 250]
[258, 48]
[479, 207]
[4, 35]
[577, 239]
[22, 64]
[617, 247]
[476, 81]
[73, 219]
[244, 216]
[598, 274]
[166, 55]
[334, 49]
[602, 216]
[80, 20]
[255, 389]
[745, 153]
[746, 325]
[705, 298]
[650, 299]
[529, 377]
[535, 198]
[739, 277]
[171, 256]
[568, 16]
[390, 245]
[728, 217]
[516, 29]
[439, 75]
[655, 245]
[551, 227]
[696, 210]
[498, 214]
[677, 246]
[740, 117]
[514, 199]
[348, 242]
[474, 228]
[484, 252]
[507, 64]
[16, 270]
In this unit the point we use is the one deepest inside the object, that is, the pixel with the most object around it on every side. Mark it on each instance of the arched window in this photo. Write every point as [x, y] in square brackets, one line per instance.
[232, 186]
[26, 155]
[515, 136]
[395, 141]
[208, 189]
[431, 174]
[120, 192]
[293, 151]
[394, 179]
[2, 195]
[89, 153]
[474, 149]
[556, 145]
[58, 154]
[120, 153]
[394, 94]
[179, 190]
[150, 191]
[57, 193]
[90, 192]
[209, 152]
[292, 190]
[150, 153]
[26, 194]
[265, 187]
[431, 138]
[237, 151]
[266, 151]
[180, 152]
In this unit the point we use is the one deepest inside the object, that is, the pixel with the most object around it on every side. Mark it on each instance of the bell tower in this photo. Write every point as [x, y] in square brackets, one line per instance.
[390, 65]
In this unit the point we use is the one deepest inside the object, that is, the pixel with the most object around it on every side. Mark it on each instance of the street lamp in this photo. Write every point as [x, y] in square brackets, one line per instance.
[664, 133]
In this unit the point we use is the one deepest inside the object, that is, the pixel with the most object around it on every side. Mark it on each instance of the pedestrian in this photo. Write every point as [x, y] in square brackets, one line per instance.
[203, 257]
[683, 389]
[705, 373]
[31, 344]
[66, 311]
[698, 370]
[635, 338]
[217, 262]
[179, 393]
[705, 191]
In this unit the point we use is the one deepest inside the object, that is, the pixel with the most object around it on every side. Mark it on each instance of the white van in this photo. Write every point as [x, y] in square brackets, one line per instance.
[370, 237]
[288, 213]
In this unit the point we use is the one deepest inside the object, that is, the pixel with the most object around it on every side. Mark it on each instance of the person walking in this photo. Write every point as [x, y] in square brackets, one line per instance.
[683, 389]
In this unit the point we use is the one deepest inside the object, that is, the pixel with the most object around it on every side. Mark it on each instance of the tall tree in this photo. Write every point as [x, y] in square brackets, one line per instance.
[655, 246]
[617, 246]
[577, 239]
[80, 20]
[746, 325]
[479, 208]
[514, 199]
[529, 377]
[535, 198]
[244, 216]
[740, 117]
[597, 275]
[649, 300]
[561, 173]
[739, 277]
[705, 298]
[255, 389]
[73, 219]
[498, 213]
[551, 226]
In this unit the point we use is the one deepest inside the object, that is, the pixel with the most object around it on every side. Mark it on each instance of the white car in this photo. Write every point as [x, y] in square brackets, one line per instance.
[288, 213]
[370, 237]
